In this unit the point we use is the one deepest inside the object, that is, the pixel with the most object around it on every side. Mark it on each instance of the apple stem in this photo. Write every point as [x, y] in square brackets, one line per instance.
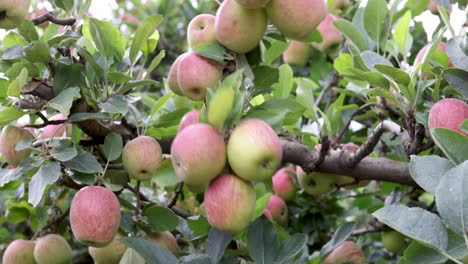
[177, 192]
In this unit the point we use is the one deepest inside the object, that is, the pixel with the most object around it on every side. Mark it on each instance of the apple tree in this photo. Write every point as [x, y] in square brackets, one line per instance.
[234, 131]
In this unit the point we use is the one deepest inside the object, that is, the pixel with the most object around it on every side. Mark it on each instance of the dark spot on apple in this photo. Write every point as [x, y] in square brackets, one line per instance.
[196, 90]
[311, 182]
[265, 164]
[3, 15]
[202, 27]
[143, 171]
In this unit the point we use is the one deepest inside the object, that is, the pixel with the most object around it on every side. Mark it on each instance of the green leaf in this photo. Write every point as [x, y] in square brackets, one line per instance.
[66, 5]
[113, 146]
[260, 205]
[398, 75]
[401, 33]
[7, 175]
[131, 257]
[415, 223]
[155, 62]
[217, 243]
[85, 162]
[150, 251]
[262, 241]
[371, 58]
[265, 76]
[282, 89]
[196, 258]
[160, 103]
[341, 234]
[458, 79]
[373, 78]
[65, 151]
[199, 225]
[427, 171]
[144, 31]
[37, 51]
[290, 248]
[453, 144]
[118, 77]
[160, 218]
[107, 38]
[88, 116]
[351, 32]
[212, 51]
[457, 52]
[343, 62]
[47, 174]
[116, 105]
[275, 49]
[64, 100]
[10, 114]
[375, 14]
[133, 84]
[67, 76]
[165, 175]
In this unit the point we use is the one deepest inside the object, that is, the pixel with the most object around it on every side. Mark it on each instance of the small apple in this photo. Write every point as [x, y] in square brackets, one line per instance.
[188, 119]
[229, 203]
[238, 28]
[346, 253]
[110, 254]
[19, 251]
[142, 157]
[393, 241]
[253, 4]
[448, 113]
[296, 19]
[95, 216]
[53, 249]
[297, 53]
[9, 138]
[254, 150]
[283, 183]
[165, 239]
[330, 34]
[316, 183]
[201, 30]
[277, 210]
[197, 74]
[52, 131]
[220, 107]
[13, 12]
[350, 147]
[198, 154]
[172, 76]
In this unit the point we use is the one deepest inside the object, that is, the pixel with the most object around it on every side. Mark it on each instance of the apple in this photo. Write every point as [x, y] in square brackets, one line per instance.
[253, 4]
[165, 239]
[19, 251]
[229, 203]
[330, 34]
[172, 76]
[94, 216]
[393, 241]
[52, 249]
[316, 183]
[296, 19]
[198, 154]
[297, 53]
[188, 119]
[420, 56]
[196, 188]
[238, 28]
[283, 183]
[201, 30]
[52, 131]
[448, 113]
[130, 19]
[337, 4]
[350, 147]
[142, 157]
[220, 107]
[254, 150]
[196, 74]
[9, 138]
[346, 253]
[277, 210]
[13, 12]
[110, 254]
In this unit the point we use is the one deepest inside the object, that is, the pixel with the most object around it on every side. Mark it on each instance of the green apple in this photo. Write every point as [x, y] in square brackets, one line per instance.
[19, 251]
[253, 4]
[316, 183]
[165, 239]
[9, 138]
[53, 249]
[13, 12]
[220, 106]
[393, 241]
[297, 53]
[110, 254]
[142, 157]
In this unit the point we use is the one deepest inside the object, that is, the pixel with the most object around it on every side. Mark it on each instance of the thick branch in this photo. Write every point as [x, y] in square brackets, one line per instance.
[49, 17]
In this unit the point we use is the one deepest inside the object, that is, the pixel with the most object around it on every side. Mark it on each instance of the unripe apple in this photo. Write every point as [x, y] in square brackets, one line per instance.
[350, 147]
[316, 183]
[220, 106]
[419, 57]
[142, 157]
[110, 254]
[254, 150]
[196, 74]
[172, 76]
[448, 113]
[201, 30]
[188, 119]
[229, 203]
[252, 4]
[238, 28]
[346, 253]
[165, 239]
[19, 251]
[13, 12]
[277, 210]
[283, 183]
[330, 34]
[393, 241]
[52, 131]
[296, 19]
[94, 216]
[198, 154]
[11, 136]
[53, 249]
[297, 53]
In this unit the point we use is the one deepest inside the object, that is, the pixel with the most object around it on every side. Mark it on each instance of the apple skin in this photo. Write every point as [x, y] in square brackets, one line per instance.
[350, 147]
[53, 249]
[253, 4]
[99, 206]
[220, 107]
[419, 57]
[229, 203]
[15, 11]
[56, 131]
[196, 74]
[201, 30]
[296, 19]
[172, 76]
[198, 154]
[277, 210]
[165, 239]
[393, 241]
[283, 184]
[19, 251]
[254, 150]
[188, 119]
[297, 53]
[110, 254]
[346, 253]
[448, 113]
[238, 28]
[330, 34]
[316, 183]
[338, 4]
[142, 157]
[9, 137]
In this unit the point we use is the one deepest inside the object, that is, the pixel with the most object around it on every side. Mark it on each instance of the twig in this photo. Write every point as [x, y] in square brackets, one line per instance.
[50, 17]
[52, 224]
[137, 189]
[323, 152]
[176, 195]
[23, 104]
[332, 82]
